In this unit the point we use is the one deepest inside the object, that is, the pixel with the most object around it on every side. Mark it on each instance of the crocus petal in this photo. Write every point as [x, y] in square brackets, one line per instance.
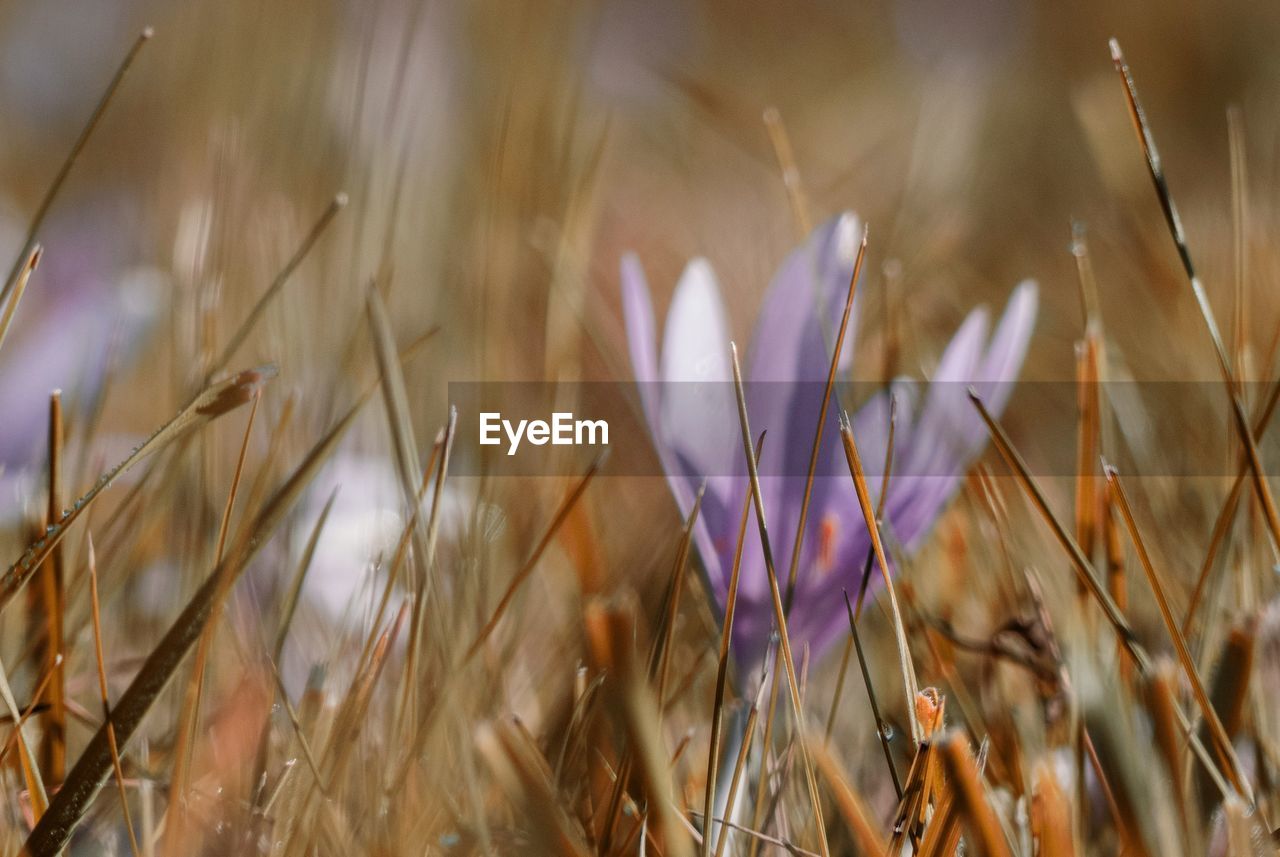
[753, 623]
[955, 427]
[683, 474]
[695, 344]
[871, 430]
[934, 441]
[699, 415]
[838, 548]
[790, 361]
[801, 312]
[940, 446]
[1008, 348]
[637, 314]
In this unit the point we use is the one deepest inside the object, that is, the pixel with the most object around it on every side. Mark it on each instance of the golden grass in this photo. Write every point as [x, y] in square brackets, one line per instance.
[532, 685]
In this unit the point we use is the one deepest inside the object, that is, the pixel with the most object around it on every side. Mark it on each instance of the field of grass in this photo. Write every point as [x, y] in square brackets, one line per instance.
[938, 349]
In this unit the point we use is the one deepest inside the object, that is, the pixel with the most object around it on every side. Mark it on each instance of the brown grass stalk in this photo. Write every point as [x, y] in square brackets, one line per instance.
[793, 685]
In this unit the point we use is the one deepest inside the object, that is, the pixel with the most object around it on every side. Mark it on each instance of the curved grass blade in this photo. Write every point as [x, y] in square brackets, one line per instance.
[209, 405]
[1216, 731]
[91, 770]
[12, 293]
[246, 327]
[51, 193]
[779, 614]
[1270, 512]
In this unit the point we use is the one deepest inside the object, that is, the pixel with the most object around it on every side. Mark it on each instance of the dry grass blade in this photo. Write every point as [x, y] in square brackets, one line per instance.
[857, 817]
[189, 716]
[783, 846]
[30, 771]
[1240, 236]
[942, 836]
[514, 762]
[1087, 444]
[421, 588]
[208, 405]
[770, 766]
[1161, 702]
[917, 793]
[779, 614]
[1051, 815]
[395, 397]
[822, 421]
[1221, 742]
[1244, 838]
[722, 660]
[526, 569]
[397, 559]
[611, 636]
[13, 293]
[300, 578]
[1156, 171]
[1229, 688]
[1083, 568]
[1260, 485]
[660, 659]
[865, 581]
[86, 778]
[881, 726]
[1226, 515]
[1117, 583]
[34, 708]
[1085, 279]
[613, 808]
[586, 696]
[986, 837]
[298, 731]
[1081, 565]
[663, 818]
[838, 694]
[60, 178]
[274, 452]
[352, 715]
[251, 320]
[52, 596]
[785, 154]
[1229, 692]
[433, 520]
[348, 722]
[101, 661]
[735, 783]
[1118, 761]
[910, 685]
[440, 452]
[224, 526]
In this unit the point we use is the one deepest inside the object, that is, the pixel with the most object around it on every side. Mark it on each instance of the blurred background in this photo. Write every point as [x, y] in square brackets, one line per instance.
[500, 158]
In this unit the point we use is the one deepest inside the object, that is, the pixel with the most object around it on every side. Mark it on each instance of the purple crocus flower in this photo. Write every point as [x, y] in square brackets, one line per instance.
[71, 348]
[688, 401]
[83, 313]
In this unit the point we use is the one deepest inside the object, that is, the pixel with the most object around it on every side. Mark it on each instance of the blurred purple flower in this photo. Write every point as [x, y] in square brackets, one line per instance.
[695, 427]
[83, 313]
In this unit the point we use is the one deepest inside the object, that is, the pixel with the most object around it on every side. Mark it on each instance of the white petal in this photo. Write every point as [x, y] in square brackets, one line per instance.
[698, 410]
[695, 345]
